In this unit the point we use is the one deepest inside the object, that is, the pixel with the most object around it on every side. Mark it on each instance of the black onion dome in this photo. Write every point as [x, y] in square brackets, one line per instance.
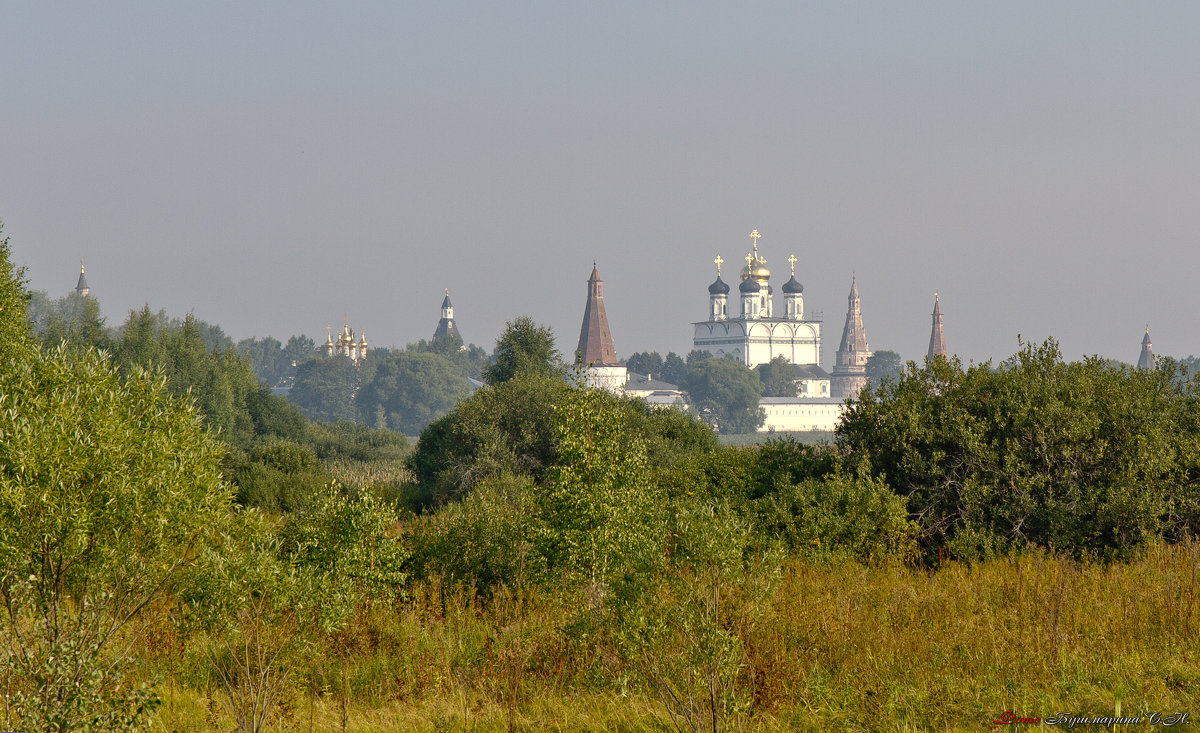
[749, 285]
[791, 287]
[719, 287]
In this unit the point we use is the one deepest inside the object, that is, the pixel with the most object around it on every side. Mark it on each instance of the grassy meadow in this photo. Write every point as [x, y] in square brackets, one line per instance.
[833, 646]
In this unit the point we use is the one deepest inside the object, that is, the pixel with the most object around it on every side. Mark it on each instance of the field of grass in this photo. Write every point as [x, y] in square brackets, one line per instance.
[833, 646]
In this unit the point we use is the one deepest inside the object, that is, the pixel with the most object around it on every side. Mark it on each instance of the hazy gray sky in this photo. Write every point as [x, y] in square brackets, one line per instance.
[275, 166]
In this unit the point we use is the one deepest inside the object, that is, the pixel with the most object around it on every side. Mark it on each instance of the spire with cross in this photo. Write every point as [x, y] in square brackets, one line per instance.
[719, 260]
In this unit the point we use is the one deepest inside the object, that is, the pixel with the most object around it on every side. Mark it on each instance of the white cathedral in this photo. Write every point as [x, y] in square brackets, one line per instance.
[755, 336]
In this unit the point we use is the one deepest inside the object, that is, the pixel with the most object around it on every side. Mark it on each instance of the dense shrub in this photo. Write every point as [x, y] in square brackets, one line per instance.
[512, 427]
[1085, 456]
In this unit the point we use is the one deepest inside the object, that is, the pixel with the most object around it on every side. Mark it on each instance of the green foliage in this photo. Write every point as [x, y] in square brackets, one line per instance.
[221, 383]
[530, 508]
[108, 490]
[674, 369]
[686, 637]
[727, 389]
[645, 362]
[486, 540]
[324, 388]
[1076, 456]
[266, 598]
[411, 389]
[14, 329]
[253, 614]
[883, 365]
[468, 361]
[267, 358]
[73, 319]
[349, 440]
[842, 515]
[513, 428]
[505, 428]
[785, 461]
[279, 475]
[602, 515]
[778, 378]
[348, 541]
[273, 362]
[523, 347]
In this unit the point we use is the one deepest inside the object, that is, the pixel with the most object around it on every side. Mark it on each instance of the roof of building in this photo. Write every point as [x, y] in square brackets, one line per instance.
[749, 285]
[595, 338]
[82, 284]
[801, 401]
[646, 383]
[719, 287]
[854, 336]
[1146, 360]
[792, 286]
[937, 336]
[446, 327]
[804, 371]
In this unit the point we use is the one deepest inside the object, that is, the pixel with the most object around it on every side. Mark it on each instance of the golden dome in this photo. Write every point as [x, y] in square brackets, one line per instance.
[760, 271]
[757, 268]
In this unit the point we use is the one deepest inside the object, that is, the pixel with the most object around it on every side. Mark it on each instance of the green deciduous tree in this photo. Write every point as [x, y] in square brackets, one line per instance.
[778, 378]
[728, 388]
[645, 362]
[602, 517]
[266, 599]
[324, 388]
[513, 428]
[73, 319]
[109, 490]
[410, 390]
[14, 327]
[1075, 456]
[523, 347]
[884, 365]
[268, 359]
[506, 428]
[674, 369]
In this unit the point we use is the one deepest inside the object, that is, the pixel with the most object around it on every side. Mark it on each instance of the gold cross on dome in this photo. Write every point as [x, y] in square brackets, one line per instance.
[719, 260]
[749, 260]
[792, 260]
[755, 235]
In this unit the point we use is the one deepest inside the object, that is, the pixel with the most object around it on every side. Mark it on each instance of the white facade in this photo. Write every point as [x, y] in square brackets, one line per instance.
[758, 340]
[756, 335]
[610, 378]
[784, 414]
[813, 387]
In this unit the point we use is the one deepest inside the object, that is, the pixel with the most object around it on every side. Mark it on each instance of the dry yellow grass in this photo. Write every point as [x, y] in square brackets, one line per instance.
[840, 647]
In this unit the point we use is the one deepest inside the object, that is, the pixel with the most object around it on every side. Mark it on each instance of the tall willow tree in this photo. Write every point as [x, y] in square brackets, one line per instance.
[109, 489]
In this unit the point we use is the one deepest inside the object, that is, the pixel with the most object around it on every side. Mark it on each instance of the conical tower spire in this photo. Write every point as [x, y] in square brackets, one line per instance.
[595, 339]
[850, 369]
[1146, 360]
[81, 287]
[937, 337]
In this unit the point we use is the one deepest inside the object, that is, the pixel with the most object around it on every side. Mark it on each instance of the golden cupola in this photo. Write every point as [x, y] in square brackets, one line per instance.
[756, 264]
